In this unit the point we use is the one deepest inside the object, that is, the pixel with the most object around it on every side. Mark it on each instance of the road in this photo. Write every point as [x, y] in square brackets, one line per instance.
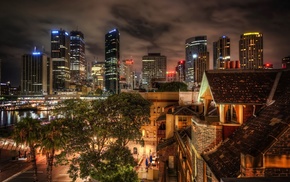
[21, 171]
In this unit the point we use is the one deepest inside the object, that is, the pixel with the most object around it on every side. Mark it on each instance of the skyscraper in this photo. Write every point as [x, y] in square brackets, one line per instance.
[200, 66]
[221, 52]
[112, 57]
[193, 46]
[77, 57]
[251, 50]
[126, 74]
[60, 57]
[97, 74]
[35, 74]
[154, 66]
[180, 69]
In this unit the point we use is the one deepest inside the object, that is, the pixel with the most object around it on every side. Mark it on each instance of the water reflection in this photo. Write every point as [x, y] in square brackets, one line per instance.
[9, 118]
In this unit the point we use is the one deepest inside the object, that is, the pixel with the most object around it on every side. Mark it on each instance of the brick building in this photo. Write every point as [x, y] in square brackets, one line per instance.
[241, 129]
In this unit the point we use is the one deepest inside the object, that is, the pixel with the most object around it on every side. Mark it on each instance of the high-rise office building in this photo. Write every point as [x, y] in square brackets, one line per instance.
[171, 76]
[221, 52]
[35, 74]
[154, 66]
[193, 47]
[60, 57]
[112, 58]
[180, 69]
[126, 74]
[98, 74]
[286, 62]
[200, 66]
[251, 50]
[77, 57]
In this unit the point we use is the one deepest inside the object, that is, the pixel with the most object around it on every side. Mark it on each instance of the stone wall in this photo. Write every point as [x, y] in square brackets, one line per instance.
[206, 137]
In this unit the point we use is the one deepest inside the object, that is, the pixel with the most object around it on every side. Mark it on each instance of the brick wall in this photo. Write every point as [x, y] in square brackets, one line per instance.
[277, 172]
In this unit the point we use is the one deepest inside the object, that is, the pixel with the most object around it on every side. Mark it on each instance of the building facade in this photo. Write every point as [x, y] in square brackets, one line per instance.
[180, 69]
[77, 57]
[154, 66]
[286, 62]
[98, 74]
[112, 58]
[251, 50]
[35, 74]
[127, 74]
[193, 47]
[221, 52]
[200, 66]
[60, 57]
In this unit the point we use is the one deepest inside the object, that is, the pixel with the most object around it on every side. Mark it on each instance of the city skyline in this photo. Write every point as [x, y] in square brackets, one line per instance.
[161, 26]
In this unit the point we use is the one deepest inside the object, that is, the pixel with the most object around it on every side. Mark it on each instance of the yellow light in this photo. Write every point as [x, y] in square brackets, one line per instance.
[252, 33]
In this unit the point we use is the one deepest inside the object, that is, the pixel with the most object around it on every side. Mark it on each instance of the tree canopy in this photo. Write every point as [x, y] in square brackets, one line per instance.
[172, 87]
[98, 132]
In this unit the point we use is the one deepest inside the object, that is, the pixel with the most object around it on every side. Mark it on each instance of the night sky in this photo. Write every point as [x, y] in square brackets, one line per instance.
[144, 25]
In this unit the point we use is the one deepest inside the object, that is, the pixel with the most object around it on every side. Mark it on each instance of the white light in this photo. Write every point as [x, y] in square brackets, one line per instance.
[194, 56]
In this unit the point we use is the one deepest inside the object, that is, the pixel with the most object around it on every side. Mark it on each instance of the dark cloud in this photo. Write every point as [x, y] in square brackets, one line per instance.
[137, 25]
[145, 25]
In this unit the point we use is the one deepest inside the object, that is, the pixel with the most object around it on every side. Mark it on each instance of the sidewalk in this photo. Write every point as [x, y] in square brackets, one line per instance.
[147, 175]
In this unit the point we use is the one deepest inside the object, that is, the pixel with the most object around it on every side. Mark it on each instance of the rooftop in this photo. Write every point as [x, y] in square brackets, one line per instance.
[258, 133]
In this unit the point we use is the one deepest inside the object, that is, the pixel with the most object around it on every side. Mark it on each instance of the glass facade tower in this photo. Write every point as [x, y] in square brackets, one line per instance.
[221, 52]
[193, 46]
[77, 57]
[112, 58]
[60, 57]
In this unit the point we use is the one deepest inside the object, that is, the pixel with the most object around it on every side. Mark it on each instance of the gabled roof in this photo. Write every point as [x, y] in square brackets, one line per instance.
[240, 86]
[256, 135]
[184, 110]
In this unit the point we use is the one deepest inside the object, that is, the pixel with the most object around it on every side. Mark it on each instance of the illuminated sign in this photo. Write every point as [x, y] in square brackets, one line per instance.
[114, 30]
[36, 53]
[54, 31]
[252, 33]
[129, 62]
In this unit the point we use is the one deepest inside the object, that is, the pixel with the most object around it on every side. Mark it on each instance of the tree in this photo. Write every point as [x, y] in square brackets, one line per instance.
[128, 112]
[53, 139]
[27, 132]
[98, 133]
[119, 165]
[172, 87]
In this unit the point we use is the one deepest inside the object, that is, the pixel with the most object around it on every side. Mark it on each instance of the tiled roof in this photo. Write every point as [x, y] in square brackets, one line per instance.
[241, 86]
[256, 135]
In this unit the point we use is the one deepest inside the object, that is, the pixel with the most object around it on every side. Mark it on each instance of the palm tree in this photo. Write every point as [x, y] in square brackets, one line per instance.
[27, 132]
[53, 139]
